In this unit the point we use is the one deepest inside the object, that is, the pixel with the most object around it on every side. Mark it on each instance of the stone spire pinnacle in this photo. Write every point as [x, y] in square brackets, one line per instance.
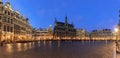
[55, 21]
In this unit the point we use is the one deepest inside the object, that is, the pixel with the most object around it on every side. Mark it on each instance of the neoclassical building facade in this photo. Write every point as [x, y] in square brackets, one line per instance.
[104, 34]
[13, 26]
[82, 34]
[43, 33]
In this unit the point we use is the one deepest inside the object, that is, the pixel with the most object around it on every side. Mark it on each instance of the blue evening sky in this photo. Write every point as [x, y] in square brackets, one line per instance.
[87, 14]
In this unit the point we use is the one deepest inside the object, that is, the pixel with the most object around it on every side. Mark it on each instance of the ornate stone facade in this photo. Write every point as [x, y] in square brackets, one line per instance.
[64, 30]
[13, 26]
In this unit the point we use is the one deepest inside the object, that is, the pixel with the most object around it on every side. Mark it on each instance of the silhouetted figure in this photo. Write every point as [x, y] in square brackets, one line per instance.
[1, 44]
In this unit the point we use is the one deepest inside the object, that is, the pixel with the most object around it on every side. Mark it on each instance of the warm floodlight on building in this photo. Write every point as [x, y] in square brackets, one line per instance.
[8, 36]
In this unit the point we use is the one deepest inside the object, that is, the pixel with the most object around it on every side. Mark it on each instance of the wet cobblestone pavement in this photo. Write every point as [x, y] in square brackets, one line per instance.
[60, 49]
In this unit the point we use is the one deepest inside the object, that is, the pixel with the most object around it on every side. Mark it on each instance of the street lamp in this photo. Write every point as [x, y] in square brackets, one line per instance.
[116, 29]
[116, 32]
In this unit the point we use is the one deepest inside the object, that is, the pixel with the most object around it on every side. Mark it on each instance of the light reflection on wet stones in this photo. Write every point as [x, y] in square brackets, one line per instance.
[59, 49]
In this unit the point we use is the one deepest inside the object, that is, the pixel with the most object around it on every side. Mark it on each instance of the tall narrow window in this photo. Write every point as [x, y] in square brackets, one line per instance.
[8, 13]
[4, 19]
[11, 29]
[0, 25]
[4, 27]
[0, 17]
[8, 28]
[5, 12]
[11, 21]
[8, 20]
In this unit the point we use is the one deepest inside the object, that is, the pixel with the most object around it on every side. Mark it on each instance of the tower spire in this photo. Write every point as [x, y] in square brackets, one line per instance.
[119, 18]
[66, 20]
[55, 21]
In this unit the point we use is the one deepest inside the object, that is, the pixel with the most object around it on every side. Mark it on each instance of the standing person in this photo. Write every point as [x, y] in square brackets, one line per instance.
[1, 43]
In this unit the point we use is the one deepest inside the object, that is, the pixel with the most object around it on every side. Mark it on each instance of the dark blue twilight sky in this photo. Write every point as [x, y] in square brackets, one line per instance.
[87, 14]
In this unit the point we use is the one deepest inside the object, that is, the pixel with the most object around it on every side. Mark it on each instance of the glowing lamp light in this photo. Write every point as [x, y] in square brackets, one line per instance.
[8, 36]
[116, 29]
